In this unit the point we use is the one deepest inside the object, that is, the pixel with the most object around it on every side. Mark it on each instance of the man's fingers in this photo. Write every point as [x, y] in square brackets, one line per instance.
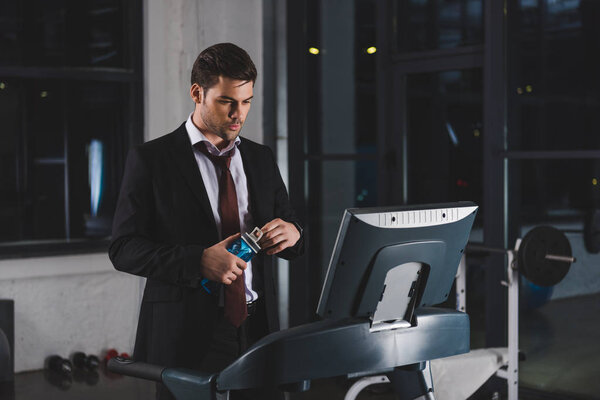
[230, 239]
[273, 241]
[237, 271]
[269, 226]
[241, 264]
[272, 233]
[233, 275]
[277, 249]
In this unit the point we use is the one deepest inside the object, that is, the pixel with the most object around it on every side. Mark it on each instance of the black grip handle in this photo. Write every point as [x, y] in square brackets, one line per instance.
[129, 367]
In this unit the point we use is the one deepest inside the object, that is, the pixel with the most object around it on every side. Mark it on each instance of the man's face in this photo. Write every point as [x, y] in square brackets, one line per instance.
[223, 108]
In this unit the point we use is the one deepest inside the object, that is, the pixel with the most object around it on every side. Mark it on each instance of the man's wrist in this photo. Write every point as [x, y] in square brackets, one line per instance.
[298, 227]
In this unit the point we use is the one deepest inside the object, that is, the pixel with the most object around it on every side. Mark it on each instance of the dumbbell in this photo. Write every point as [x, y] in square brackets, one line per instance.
[86, 362]
[112, 353]
[85, 368]
[59, 365]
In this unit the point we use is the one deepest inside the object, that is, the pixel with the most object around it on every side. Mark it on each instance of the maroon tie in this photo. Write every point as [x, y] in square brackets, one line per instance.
[235, 294]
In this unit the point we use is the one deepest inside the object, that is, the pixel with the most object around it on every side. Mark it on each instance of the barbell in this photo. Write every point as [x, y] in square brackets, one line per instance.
[544, 255]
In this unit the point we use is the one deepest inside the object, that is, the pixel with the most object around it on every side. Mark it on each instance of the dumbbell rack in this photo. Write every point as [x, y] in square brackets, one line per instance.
[511, 373]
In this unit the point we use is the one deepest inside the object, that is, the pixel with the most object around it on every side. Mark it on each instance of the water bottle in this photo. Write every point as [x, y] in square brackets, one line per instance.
[244, 247]
[247, 245]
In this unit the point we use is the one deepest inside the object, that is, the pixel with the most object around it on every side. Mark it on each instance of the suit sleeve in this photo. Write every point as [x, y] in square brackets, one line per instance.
[284, 210]
[132, 248]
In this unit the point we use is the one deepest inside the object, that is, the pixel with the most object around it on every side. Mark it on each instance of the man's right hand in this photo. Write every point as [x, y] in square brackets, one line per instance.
[219, 265]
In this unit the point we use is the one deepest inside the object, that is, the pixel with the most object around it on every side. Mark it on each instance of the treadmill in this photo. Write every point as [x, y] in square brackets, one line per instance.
[390, 266]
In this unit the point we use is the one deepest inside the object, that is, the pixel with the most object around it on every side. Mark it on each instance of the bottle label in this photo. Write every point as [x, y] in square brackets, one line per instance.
[241, 249]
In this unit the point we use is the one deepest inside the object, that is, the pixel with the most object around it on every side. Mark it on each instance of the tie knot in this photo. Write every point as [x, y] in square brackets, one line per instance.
[221, 161]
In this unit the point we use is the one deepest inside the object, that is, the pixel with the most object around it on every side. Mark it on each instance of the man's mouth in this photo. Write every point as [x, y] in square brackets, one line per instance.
[234, 127]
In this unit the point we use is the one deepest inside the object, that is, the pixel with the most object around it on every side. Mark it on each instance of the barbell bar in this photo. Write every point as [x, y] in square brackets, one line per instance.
[560, 258]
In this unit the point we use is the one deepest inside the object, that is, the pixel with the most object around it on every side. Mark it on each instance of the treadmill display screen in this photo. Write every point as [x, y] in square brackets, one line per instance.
[388, 261]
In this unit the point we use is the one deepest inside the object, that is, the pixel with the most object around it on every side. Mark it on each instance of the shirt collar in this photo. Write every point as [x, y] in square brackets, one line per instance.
[197, 136]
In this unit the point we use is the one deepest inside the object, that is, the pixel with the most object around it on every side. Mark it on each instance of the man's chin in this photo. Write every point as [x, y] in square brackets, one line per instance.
[230, 134]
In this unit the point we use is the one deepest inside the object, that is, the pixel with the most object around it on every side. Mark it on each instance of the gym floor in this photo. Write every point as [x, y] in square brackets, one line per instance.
[559, 339]
[562, 347]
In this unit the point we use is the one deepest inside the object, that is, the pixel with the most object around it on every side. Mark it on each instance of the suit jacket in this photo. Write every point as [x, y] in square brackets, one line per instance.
[162, 224]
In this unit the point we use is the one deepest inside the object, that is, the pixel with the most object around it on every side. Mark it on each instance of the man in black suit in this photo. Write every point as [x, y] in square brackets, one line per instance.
[184, 198]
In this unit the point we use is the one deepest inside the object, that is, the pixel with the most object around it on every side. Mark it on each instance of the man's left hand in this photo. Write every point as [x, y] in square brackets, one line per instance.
[278, 235]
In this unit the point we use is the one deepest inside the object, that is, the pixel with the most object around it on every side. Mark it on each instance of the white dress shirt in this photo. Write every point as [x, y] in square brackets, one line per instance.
[210, 175]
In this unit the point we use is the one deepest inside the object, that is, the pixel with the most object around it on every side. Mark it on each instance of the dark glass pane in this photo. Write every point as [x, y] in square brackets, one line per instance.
[438, 24]
[44, 32]
[346, 111]
[445, 159]
[45, 120]
[365, 72]
[559, 323]
[106, 34]
[59, 33]
[10, 119]
[63, 141]
[10, 23]
[47, 203]
[335, 186]
[96, 132]
[61, 165]
[559, 190]
[554, 104]
[554, 86]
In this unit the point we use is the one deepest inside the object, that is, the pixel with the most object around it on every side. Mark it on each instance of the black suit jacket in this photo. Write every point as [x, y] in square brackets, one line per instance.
[163, 223]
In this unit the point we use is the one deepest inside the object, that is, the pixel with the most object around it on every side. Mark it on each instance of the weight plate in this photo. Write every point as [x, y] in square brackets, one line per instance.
[532, 261]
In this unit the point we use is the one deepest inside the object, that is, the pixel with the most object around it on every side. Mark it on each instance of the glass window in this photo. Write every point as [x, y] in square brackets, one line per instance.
[96, 143]
[335, 186]
[444, 122]
[558, 190]
[344, 114]
[61, 155]
[65, 129]
[554, 104]
[434, 24]
[554, 90]
[9, 30]
[558, 324]
[345, 100]
[365, 58]
[62, 33]
[10, 214]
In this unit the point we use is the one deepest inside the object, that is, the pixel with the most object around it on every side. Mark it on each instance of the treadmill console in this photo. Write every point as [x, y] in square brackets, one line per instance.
[388, 261]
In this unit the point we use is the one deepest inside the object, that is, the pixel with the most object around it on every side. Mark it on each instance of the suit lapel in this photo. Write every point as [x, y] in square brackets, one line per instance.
[183, 155]
[254, 183]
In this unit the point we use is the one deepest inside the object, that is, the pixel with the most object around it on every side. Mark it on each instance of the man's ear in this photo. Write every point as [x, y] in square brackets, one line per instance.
[196, 93]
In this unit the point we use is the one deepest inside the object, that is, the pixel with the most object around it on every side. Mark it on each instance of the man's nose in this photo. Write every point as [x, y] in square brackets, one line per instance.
[235, 112]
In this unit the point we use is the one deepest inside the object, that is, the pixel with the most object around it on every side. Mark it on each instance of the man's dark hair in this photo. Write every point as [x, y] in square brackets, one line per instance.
[222, 59]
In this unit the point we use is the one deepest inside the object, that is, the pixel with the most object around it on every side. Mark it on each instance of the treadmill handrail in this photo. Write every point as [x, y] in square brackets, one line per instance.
[129, 367]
